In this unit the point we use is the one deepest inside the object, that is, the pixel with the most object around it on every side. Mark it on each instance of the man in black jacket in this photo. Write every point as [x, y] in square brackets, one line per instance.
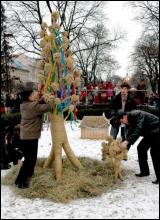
[124, 102]
[140, 123]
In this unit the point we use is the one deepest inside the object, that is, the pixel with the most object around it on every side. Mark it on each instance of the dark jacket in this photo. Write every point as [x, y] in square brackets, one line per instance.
[117, 105]
[31, 118]
[141, 124]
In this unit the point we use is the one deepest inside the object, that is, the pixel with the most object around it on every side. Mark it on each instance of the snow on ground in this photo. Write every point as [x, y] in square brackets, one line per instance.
[138, 198]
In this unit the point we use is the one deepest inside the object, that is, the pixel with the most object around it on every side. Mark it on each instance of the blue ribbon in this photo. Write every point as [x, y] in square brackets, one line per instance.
[59, 94]
[68, 90]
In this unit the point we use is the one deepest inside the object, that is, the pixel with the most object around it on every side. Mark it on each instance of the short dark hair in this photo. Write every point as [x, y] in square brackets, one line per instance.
[120, 114]
[25, 94]
[125, 84]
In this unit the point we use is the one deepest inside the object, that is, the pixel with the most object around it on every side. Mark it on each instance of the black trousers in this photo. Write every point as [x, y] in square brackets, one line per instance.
[151, 142]
[29, 149]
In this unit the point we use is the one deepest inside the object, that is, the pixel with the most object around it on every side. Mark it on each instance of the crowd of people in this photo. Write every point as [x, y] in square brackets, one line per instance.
[103, 93]
[100, 93]
[97, 93]
[10, 103]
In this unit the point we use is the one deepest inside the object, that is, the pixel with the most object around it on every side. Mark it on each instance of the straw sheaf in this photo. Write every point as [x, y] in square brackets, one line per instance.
[89, 182]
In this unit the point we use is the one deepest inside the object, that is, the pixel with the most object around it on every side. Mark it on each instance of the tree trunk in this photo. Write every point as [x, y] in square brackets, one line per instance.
[59, 140]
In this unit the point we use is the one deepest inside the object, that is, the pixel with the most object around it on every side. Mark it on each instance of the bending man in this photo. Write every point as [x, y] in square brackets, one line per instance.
[140, 123]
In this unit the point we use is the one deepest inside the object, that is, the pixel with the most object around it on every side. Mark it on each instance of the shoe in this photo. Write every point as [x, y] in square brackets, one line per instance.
[142, 174]
[23, 185]
[17, 181]
[22, 182]
[156, 181]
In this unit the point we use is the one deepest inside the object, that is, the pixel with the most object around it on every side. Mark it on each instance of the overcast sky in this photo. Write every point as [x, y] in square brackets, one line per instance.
[121, 17]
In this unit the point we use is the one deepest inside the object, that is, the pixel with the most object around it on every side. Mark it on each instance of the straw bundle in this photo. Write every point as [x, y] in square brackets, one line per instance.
[94, 180]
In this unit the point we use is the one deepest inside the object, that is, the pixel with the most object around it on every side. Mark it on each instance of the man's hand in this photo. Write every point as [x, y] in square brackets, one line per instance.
[123, 145]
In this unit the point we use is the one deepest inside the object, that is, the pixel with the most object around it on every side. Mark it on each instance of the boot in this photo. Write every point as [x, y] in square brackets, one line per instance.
[156, 181]
[142, 174]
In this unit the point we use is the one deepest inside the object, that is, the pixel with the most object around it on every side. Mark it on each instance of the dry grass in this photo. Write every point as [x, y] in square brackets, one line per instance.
[92, 181]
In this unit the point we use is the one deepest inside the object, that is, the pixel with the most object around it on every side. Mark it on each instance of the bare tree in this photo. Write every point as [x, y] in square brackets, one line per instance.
[89, 40]
[137, 77]
[148, 14]
[26, 19]
[92, 50]
[146, 59]
[116, 79]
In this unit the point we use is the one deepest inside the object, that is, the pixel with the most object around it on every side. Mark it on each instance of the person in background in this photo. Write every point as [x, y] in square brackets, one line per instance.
[96, 98]
[2, 106]
[30, 130]
[141, 91]
[10, 146]
[4, 159]
[83, 95]
[154, 100]
[116, 89]
[100, 88]
[143, 124]
[121, 101]
[17, 101]
[7, 103]
[110, 91]
[103, 93]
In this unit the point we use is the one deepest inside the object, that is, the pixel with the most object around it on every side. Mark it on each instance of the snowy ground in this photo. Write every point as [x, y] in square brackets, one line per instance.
[138, 198]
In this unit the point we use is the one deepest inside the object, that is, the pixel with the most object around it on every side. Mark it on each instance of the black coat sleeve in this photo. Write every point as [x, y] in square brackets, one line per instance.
[135, 132]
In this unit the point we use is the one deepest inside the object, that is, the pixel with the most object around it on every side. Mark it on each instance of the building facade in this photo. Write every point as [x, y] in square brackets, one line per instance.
[23, 69]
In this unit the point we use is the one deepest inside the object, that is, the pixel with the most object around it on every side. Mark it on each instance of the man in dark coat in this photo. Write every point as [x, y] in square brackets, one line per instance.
[143, 124]
[121, 101]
